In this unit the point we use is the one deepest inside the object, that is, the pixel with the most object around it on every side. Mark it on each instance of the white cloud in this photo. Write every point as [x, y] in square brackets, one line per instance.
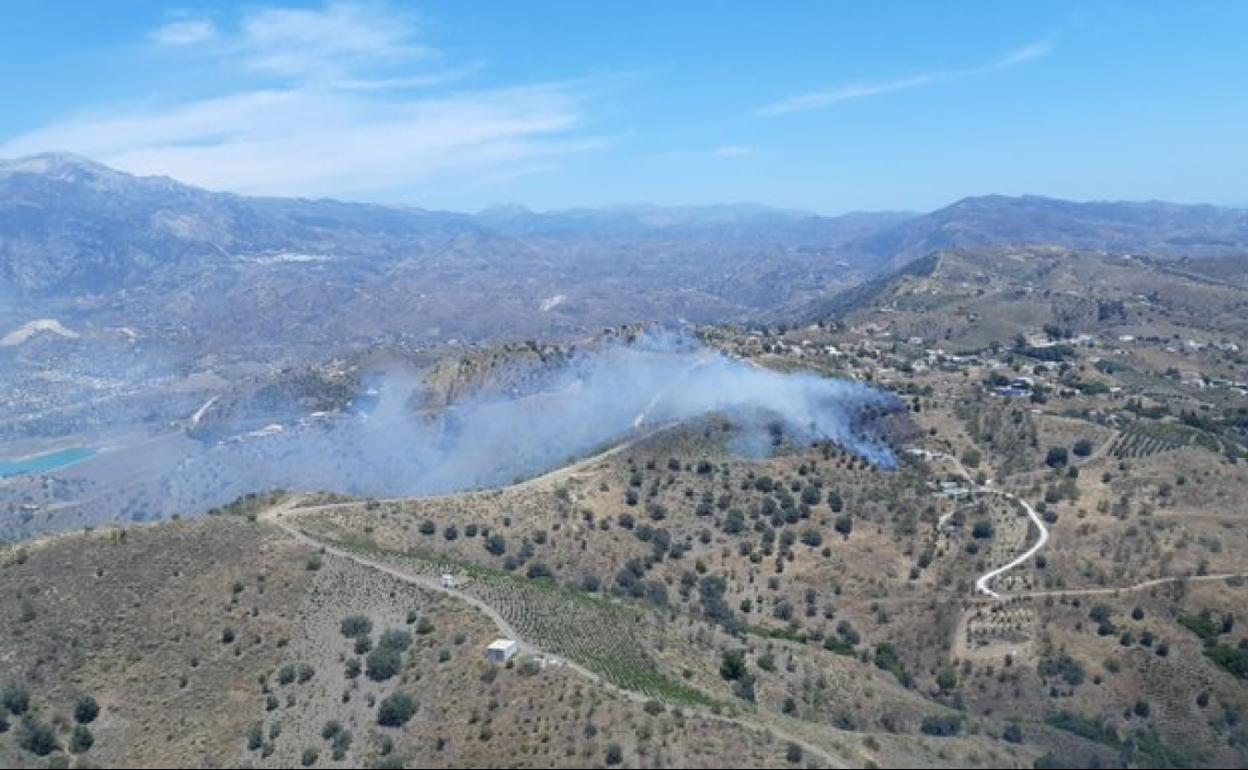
[733, 150]
[353, 114]
[337, 38]
[185, 32]
[312, 142]
[817, 99]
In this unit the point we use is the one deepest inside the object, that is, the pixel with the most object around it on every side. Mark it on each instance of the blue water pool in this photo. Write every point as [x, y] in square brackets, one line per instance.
[44, 463]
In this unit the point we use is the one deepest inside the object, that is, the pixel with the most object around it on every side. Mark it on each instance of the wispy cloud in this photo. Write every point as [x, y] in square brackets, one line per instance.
[733, 150]
[185, 32]
[338, 38]
[826, 98]
[351, 106]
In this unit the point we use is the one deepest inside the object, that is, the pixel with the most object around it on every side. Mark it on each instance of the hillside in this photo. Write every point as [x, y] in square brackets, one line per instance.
[979, 510]
[997, 220]
[1049, 578]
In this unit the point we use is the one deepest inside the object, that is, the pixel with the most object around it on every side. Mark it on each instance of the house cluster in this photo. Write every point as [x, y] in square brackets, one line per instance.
[1194, 379]
[1019, 387]
[951, 490]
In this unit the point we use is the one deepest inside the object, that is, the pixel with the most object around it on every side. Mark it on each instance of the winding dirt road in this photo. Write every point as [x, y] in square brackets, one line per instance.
[983, 581]
[279, 516]
[981, 584]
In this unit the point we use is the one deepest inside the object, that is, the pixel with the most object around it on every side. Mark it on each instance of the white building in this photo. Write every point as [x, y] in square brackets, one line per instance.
[501, 650]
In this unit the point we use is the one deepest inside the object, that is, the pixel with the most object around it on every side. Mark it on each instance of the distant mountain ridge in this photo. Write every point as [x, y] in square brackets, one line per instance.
[76, 235]
[87, 242]
[996, 220]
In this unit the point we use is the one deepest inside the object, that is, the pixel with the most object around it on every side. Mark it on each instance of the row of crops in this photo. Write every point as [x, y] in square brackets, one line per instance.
[1146, 439]
[604, 636]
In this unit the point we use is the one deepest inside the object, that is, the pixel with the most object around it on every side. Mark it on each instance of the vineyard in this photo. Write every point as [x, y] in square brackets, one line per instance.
[1144, 439]
[604, 636]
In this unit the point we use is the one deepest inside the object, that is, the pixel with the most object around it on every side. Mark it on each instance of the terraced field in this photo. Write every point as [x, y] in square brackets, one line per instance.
[604, 636]
[1145, 439]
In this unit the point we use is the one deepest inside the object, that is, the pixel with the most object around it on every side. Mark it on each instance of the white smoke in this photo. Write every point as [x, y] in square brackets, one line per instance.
[589, 402]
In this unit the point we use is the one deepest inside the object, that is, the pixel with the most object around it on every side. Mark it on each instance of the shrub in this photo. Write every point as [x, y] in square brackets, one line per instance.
[1012, 733]
[1234, 660]
[941, 726]
[1063, 666]
[793, 753]
[382, 663]
[539, 570]
[496, 544]
[743, 688]
[615, 754]
[1057, 457]
[37, 737]
[342, 742]
[81, 740]
[255, 736]
[732, 665]
[16, 699]
[886, 658]
[1203, 625]
[356, 625]
[1092, 728]
[86, 710]
[395, 639]
[396, 710]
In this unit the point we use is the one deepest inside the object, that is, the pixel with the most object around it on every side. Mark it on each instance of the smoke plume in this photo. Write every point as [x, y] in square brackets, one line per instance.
[588, 402]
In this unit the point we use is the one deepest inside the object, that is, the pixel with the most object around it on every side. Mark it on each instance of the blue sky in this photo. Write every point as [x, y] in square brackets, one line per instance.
[824, 106]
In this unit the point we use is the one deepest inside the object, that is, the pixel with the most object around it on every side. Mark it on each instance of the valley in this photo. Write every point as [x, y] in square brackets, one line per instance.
[978, 504]
[1046, 572]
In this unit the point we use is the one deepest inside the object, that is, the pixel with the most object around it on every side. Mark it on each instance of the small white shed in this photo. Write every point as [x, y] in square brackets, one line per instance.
[501, 650]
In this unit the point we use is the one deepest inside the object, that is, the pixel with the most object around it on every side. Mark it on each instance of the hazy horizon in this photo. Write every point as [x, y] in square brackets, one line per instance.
[823, 107]
[641, 205]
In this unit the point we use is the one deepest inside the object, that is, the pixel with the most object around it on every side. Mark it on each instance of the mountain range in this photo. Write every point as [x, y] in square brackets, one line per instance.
[94, 245]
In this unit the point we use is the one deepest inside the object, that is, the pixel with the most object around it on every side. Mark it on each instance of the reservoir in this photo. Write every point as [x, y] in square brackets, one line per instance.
[44, 463]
